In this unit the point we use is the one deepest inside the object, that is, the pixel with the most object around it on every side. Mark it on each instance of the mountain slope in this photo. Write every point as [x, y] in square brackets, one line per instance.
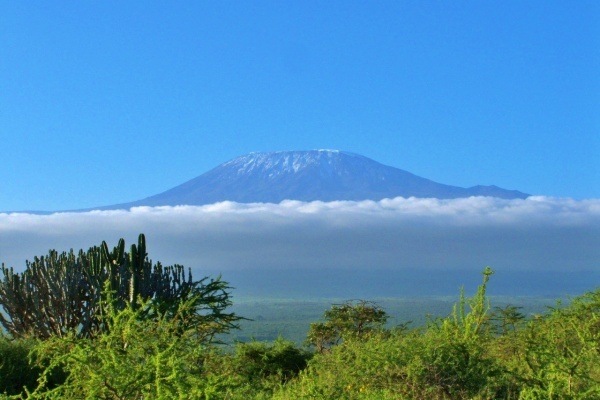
[308, 175]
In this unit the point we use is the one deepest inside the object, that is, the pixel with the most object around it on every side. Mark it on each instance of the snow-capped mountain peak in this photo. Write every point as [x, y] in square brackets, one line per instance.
[326, 175]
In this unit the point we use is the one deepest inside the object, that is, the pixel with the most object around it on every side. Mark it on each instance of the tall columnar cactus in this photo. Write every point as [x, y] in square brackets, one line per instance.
[59, 293]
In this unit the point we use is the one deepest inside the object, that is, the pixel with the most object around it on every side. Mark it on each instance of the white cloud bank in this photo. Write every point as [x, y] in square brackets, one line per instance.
[537, 233]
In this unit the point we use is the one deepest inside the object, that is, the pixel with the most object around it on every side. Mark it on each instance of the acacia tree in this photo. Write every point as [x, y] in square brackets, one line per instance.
[64, 293]
[352, 318]
[507, 318]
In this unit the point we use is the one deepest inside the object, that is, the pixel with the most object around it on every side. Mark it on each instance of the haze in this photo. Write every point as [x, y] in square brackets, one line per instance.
[536, 234]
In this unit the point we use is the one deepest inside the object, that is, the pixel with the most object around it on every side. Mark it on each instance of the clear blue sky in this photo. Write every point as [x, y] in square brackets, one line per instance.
[107, 102]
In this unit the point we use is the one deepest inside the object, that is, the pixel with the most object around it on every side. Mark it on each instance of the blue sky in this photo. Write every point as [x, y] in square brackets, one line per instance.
[107, 102]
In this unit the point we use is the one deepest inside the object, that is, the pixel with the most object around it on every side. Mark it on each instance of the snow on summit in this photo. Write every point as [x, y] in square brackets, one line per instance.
[279, 162]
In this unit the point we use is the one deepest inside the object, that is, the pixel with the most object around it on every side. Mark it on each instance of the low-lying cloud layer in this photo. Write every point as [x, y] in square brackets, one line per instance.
[536, 233]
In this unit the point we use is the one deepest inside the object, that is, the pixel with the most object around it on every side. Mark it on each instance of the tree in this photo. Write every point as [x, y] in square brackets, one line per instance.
[343, 320]
[507, 318]
[65, 293]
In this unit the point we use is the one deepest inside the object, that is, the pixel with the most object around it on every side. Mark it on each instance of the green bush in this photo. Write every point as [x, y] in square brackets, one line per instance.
[260, 360]
[16, 373]
[253, 370]
[560, 356]
[136, 358]
[358, 368]
[448, 359]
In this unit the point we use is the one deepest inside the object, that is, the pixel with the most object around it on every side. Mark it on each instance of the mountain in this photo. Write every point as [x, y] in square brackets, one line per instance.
[308, 175]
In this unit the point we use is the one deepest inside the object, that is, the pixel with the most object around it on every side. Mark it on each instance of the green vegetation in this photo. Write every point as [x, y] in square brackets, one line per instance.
[148, 350]
[346, 321]
[61, 294]
[270, 318]
[16, 372]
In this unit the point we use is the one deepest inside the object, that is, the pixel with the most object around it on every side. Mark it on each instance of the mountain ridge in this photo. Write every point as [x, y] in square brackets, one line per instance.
[325, 175]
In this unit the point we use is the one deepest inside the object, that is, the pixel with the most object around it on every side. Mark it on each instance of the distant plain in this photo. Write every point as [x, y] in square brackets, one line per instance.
[284, 303]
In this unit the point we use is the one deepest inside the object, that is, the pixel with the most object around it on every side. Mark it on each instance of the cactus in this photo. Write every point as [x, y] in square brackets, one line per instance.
[61, 293]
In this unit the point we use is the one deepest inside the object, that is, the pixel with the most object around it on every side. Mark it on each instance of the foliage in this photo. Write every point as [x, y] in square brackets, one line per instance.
[452, 352]
[357, 368]
[561, 352]
[141, 358]
[281, 358]
[62, 294]
[15, 371]
[136, 358]
[350, 319]
[446, 360]
[254, 370]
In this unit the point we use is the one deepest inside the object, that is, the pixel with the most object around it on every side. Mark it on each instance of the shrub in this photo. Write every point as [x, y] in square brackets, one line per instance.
[135, 358]
[448, 359]
[16, 373]
[260, 360]
[561, 352]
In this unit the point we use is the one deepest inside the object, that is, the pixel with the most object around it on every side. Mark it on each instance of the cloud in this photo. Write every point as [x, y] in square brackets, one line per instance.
[538, 233]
